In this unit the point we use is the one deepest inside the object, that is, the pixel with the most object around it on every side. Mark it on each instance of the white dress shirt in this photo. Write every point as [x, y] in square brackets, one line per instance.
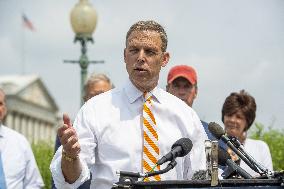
[19, 165]
[109, 127]
[259, 150]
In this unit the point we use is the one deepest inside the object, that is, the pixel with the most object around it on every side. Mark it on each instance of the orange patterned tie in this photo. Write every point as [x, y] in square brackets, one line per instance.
[150, 148]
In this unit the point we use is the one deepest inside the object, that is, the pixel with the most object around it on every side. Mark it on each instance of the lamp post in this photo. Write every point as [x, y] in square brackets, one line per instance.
[83, 21]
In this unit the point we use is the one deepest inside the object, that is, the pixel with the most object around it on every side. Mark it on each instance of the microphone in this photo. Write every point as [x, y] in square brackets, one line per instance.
[219, 133]
[241, 148]
[211, 151]
[179, 149]
[214, 163]
[225, 159]
[208, 149]
[200, 175]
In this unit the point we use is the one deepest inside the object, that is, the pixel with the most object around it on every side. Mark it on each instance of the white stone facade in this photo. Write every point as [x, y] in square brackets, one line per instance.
[31, 109]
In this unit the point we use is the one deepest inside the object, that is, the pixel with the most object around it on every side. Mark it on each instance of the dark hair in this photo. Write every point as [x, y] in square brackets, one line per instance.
[242, 102]
[149, 25]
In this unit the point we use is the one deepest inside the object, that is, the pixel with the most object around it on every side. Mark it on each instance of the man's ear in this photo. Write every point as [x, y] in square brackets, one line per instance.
[5, 111]
[196, 92]
[124, 55]
[166, 58]
[167, 87]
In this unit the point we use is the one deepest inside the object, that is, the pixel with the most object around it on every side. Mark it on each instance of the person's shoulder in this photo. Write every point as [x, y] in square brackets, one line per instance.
[204, 123]
[104, 97]
[104, 101]
[14, 135]
[258, 147]
[173, 100]
[177, 104]
[11, 132]
[254, 142]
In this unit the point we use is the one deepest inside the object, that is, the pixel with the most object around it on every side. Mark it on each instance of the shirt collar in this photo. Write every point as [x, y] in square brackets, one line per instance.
[133, 93]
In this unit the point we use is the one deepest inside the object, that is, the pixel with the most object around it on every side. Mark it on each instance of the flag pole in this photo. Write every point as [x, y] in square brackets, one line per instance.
[23, 66]
[26, 24]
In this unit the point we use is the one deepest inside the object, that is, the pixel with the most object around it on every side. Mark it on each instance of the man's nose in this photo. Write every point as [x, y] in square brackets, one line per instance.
[141, 56]
[182, 90]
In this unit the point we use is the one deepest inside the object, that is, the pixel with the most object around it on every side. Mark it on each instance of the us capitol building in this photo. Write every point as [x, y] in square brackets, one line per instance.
[31, 109]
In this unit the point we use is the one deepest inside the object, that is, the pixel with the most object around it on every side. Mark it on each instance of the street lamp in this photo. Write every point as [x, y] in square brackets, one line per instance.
[83, 21]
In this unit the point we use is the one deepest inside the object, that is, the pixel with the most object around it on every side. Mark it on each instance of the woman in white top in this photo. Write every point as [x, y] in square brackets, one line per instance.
[238, 114]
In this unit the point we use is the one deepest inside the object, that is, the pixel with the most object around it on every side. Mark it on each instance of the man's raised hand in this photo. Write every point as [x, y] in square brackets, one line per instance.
[68, 138]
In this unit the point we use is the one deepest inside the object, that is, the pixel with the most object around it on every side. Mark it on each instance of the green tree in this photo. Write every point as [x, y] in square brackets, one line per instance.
[275, 140]
[43, 152]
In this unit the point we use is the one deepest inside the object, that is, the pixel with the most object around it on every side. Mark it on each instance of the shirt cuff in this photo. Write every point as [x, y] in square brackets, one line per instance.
[59, 179]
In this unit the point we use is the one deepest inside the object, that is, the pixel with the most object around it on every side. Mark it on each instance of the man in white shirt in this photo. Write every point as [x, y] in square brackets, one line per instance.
[18, 162]
[95, 85]
[108, 131]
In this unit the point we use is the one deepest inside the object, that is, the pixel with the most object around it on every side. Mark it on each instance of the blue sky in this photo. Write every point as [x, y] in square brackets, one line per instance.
[233, 44]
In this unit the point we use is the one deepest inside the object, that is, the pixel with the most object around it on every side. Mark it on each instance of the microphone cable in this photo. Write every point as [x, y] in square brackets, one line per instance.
[170, 166]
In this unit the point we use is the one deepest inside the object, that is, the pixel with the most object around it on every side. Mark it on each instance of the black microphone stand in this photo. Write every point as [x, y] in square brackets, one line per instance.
[240, 154]
[234, 172]
[262, 169]
[126, 179]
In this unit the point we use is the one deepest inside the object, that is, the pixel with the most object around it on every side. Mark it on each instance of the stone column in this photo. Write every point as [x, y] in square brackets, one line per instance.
[9, 120]
[29, 129]
[24, 125]
[36, 130]
[17, 123]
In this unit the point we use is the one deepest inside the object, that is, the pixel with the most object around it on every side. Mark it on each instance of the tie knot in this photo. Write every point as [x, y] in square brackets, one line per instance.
[147, 96]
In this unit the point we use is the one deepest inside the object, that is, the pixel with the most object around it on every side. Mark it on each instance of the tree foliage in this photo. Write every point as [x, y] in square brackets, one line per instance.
[275, 140]
[43, 152]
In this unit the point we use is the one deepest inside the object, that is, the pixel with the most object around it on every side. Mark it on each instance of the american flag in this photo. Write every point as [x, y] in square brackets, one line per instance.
[27, 23]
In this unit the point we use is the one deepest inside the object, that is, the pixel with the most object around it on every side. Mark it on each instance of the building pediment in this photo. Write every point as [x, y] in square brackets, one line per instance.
[30, 89]
[34, 93]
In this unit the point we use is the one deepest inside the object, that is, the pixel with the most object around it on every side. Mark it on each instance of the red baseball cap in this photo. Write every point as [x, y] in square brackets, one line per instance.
[185, 71]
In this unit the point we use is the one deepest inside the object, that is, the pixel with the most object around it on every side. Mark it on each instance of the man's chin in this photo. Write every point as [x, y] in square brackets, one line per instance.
[143, 85]
[183, 99]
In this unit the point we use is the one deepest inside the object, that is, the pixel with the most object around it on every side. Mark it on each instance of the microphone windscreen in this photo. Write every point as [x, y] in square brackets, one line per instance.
[199, 175]
[223, 156]
[216, 130]
[185, 144]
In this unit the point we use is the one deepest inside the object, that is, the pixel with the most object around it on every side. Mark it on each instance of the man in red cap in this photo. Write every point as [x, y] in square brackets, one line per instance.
[182, 83]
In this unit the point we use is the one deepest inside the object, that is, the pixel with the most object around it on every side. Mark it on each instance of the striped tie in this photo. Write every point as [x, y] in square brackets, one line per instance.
[150, 149]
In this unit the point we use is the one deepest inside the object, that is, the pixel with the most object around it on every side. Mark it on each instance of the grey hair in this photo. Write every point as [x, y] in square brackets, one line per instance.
[97, 77]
